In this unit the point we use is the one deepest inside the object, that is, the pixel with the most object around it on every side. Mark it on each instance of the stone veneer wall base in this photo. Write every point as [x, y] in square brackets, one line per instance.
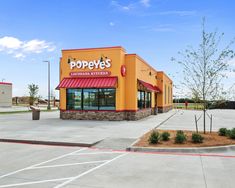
[164, 109]
[105, 115]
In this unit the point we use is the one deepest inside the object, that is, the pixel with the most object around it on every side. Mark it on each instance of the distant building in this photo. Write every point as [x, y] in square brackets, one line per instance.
[5, 94]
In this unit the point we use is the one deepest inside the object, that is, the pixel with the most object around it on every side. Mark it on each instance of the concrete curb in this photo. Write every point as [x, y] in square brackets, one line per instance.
[165, 120]
[52, 143]
[158, 125]
[183, 150]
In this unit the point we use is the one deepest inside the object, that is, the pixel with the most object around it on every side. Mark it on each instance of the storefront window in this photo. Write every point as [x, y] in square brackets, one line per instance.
[90, 99]
[106, 99]
[148, 100]
[144, 99]
[74, 99]
[141, 96]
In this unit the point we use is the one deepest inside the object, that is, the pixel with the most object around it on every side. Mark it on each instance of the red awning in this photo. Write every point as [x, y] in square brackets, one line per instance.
[95, 82]
[150, 86]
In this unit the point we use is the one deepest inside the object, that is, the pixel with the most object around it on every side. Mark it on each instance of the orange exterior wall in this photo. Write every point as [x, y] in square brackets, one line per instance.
[127, 90]
[131, 82]
[165, 98]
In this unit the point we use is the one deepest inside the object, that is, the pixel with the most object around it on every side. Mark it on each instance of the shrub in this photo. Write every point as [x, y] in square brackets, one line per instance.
[228, 132]
[165, 136]
[154, 137]
[222, 131]
[180, 137]
[197, 138]
[231, 133]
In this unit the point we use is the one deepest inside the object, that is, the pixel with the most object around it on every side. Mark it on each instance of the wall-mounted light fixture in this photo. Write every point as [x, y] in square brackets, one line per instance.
[102, 57]
[149, 71]
[159, 79]
[70, 58]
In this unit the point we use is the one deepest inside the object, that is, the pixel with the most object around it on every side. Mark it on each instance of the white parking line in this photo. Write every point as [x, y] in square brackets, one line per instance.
[69, 164]
[38, 164]
[65, 180]
[34, 182]
[88, 171]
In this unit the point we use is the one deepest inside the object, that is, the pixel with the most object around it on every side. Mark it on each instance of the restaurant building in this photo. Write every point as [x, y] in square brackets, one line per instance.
[109, 84]
[5, 94]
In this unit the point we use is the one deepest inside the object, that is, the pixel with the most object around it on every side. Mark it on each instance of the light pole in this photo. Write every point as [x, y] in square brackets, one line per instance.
[49, 87]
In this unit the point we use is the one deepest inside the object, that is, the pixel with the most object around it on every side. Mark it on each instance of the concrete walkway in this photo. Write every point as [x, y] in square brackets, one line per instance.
[22, 108]
[185, 120]
[113, 134]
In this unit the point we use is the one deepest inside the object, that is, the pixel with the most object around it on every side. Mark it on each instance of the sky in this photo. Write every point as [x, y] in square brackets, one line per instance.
[32, 32]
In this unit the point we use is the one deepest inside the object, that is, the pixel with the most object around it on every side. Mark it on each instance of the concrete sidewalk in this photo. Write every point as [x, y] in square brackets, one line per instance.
[113, 134]
[185, 120]
[22, 108]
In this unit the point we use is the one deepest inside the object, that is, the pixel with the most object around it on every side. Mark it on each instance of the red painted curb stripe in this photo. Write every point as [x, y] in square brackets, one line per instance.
[172, 153]
[138, 152]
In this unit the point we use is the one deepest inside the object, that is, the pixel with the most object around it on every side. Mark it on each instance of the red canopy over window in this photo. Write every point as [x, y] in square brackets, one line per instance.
[95, 82]
[150, 86]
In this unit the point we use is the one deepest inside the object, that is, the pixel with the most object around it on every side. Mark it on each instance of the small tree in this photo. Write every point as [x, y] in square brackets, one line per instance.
[33, 91]
[205, 67]
[196, 98]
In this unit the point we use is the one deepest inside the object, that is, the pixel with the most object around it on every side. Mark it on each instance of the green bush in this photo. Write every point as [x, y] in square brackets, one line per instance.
[180, 137]
[228, 132]
[165, 136]
[223, 131]
[231, 133]
[154, 137]
[197, 138]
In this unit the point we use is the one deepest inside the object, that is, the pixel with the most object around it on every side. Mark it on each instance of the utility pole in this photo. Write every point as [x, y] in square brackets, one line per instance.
[49, 87]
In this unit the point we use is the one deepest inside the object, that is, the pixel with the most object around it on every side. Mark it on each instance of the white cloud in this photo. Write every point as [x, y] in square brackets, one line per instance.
[35, 46]
[111, 24]
[130, 6]
[145, 3]
[10, 43]
[159, 28]
[19, 56]
[20, 49]
[179, 12]
[117, 5]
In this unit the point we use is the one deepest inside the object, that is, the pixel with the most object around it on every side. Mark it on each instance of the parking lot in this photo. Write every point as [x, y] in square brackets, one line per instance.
[107, 164]
[24, 165]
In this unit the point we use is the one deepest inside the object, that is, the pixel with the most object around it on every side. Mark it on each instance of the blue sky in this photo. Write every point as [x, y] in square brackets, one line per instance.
[32, 31]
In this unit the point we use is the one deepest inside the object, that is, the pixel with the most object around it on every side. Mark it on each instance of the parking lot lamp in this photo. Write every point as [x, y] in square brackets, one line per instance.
[49, 87]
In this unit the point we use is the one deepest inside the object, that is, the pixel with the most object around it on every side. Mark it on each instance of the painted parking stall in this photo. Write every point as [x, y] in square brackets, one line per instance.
[61, 170]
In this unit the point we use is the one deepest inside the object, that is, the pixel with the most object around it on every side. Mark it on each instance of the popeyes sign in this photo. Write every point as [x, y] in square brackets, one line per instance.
[94, 64]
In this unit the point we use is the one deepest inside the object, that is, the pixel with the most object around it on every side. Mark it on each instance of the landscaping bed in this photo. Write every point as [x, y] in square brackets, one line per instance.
[209, 139]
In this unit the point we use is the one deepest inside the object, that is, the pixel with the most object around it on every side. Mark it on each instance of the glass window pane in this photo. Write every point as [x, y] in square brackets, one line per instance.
[141, 99]
[74, 99]
[90, 99]
[148, 100]
[107, 99]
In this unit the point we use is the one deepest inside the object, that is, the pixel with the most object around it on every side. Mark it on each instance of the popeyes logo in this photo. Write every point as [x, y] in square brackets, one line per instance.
[95, 64]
